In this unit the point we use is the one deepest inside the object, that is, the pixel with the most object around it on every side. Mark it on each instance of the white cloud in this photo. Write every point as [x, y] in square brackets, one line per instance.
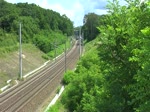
[59, 8]
[100, 11]
[11, 1]
[76, 13]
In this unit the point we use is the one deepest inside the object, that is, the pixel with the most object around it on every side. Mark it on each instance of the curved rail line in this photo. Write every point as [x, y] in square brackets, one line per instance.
[15, 90]
[23, 93]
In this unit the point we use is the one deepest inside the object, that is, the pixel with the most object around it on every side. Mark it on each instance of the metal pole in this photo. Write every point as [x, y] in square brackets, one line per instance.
[80, 42]
[20, 53]
[55, 50]
[65, 58]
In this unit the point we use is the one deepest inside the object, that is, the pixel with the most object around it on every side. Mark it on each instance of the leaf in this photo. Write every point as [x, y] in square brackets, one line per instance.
[146, 31]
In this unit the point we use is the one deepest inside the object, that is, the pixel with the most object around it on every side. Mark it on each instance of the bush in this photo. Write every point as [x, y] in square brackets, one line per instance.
[45, 56]
[68, 77]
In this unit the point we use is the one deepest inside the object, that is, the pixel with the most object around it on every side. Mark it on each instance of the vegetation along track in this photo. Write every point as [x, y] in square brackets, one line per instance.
[15, 99]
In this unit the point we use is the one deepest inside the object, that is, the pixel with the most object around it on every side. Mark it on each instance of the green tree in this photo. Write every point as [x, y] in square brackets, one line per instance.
[8, 13]
[83, 84]
[40, 26]
[91, 21]
[122, 50]
[116, 77]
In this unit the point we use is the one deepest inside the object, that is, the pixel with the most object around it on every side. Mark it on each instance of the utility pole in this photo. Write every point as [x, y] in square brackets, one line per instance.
[65, 58]
[20, 53]
[80, 42]
[55, 49]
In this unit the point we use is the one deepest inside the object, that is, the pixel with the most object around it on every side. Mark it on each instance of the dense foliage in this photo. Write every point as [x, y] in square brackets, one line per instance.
[83, 84]
[89, 29]
[115, 75]
[39, 26]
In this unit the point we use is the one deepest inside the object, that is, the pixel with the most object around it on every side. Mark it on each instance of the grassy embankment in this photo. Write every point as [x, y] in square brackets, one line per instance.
[32, 58]
[9, 62]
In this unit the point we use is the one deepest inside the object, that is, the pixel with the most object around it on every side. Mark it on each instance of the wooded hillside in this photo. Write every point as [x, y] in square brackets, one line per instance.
[37, 24]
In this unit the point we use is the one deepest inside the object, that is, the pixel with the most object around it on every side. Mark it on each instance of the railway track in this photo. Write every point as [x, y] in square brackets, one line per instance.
[18, 97]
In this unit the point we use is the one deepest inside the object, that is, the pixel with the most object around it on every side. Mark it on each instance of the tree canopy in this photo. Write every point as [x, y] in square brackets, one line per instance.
[114, 75]
[42, 18]
[89, 30]
[35, 20]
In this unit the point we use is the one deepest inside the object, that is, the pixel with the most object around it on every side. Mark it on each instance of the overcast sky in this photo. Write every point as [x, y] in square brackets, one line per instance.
[74, 9]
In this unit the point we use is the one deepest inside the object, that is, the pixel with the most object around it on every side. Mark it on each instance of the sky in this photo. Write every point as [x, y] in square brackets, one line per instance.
[73, 9]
